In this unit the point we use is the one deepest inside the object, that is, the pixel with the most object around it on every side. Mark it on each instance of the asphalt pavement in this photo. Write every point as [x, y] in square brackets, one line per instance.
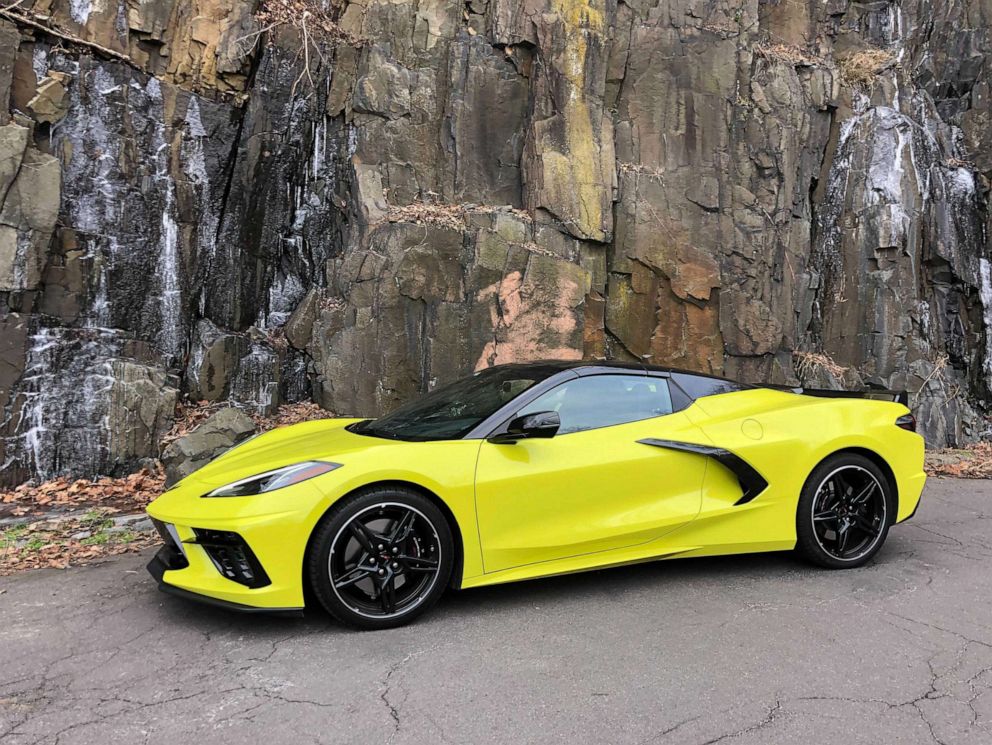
[742, 650]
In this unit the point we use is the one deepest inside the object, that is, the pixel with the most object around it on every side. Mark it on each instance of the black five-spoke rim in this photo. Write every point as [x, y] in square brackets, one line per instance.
[385, 560]
[849, 513]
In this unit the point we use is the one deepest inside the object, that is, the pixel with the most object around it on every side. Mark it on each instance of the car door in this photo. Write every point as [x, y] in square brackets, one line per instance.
[592, 487]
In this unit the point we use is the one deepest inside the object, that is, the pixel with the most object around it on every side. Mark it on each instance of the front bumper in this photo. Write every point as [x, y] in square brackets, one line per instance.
[274, 529]
[167, 559]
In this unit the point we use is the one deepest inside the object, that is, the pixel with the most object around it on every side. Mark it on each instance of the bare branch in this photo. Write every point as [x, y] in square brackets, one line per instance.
[18, 17]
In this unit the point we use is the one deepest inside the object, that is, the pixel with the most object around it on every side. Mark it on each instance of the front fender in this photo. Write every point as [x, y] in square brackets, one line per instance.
[446, 469]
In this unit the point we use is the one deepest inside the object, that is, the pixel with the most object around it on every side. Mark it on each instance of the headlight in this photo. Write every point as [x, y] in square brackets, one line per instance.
[272, 480]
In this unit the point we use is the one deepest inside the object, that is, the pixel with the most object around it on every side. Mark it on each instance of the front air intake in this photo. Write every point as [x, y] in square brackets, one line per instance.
[171, 554]
[232, 556]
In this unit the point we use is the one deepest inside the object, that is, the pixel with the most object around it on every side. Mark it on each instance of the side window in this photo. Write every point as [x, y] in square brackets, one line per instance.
[604, 400]
[697, 386]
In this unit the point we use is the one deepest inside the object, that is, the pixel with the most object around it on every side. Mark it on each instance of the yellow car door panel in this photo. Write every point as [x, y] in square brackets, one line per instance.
[583, 492]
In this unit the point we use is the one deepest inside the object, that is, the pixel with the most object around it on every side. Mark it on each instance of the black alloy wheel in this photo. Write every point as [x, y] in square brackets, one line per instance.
[844, 512]
[382, 558]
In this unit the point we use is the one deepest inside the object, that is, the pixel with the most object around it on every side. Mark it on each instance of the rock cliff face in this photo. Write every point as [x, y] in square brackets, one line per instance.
[355, 201]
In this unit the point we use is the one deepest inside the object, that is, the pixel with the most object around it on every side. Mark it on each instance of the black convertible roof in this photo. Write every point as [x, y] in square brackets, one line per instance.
[619, 365]
[697, 384]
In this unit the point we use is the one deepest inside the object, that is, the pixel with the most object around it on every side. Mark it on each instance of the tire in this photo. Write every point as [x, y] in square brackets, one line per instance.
[380, 558]
[844, 513]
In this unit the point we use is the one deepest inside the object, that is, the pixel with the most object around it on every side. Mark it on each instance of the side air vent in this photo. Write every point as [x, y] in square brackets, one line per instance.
[752, 483]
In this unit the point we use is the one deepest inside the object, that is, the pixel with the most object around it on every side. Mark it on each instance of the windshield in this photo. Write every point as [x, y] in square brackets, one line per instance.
[451, 411]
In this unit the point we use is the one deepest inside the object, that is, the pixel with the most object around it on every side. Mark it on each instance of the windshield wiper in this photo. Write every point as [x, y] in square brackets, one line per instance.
[365, 427]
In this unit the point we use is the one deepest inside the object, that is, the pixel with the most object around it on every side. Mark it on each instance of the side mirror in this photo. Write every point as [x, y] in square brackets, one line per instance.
[528, 426]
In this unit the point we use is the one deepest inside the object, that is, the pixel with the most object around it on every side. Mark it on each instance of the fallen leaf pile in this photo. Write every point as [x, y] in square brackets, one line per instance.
[65, 542]
[973, 463]
[450, 216]
[120, 495]
[47, 515]
[132, 493]
[304, 411]
[189, 415]
[444, 214]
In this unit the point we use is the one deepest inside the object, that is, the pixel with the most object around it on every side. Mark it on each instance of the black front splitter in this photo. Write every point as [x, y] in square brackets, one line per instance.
[165, 559]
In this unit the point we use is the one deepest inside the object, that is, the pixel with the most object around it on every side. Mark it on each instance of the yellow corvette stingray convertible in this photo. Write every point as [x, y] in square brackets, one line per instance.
[530, 470]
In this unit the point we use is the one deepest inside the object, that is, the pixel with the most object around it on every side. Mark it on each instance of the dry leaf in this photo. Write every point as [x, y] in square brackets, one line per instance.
[973, 463]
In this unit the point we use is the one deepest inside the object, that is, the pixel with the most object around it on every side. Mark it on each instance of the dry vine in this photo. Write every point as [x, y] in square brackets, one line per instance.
[313, 22]
[434, 211]
[790, 54]
[861, 68]
[809, 363]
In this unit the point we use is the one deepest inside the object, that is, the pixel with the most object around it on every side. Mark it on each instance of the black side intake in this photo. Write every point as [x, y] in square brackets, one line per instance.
[170, 556]
[752, 483]
[232, 556]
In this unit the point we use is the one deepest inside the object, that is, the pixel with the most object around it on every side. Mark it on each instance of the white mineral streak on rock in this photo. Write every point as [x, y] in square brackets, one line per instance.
[66, 384]
[39, 62]
[319, 146]
[170, 297]
[195, 168]
[257, 380]
[284, 295]
[80, 10]
[985, 291]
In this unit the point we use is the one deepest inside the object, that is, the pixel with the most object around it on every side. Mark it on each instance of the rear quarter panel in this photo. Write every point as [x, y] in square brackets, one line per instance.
[784, 436]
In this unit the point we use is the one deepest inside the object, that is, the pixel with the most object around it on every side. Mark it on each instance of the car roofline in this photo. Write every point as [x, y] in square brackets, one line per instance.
[571, 369]
[621, 365]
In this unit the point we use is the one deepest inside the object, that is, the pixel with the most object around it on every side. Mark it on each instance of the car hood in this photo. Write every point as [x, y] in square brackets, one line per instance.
[324, 439]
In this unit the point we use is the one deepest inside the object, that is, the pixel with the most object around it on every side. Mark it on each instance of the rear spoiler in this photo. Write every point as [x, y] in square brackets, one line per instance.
[899, 397]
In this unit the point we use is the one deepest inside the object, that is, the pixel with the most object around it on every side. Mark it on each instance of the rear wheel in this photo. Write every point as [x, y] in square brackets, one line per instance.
[381, 558]
[844, 513]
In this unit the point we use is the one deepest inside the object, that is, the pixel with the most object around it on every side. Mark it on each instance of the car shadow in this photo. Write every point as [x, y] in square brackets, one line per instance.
[608, 584]
[611, 583]
[655, 576]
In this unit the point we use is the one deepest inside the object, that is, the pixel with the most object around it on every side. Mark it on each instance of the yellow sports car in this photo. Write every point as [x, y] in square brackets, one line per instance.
[530, 470]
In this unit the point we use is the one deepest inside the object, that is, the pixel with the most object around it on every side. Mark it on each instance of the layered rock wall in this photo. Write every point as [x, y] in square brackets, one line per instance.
[353, 202]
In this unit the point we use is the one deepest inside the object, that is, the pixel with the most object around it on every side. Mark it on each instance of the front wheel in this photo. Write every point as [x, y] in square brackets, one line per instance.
[381, 558]
[844, 514]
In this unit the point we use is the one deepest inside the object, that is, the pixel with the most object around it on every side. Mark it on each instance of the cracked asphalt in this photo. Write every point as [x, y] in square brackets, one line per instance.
[758, 649]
